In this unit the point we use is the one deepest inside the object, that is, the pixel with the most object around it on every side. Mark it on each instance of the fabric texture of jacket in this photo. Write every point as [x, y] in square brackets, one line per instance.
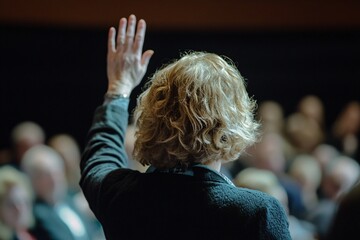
[195, 203]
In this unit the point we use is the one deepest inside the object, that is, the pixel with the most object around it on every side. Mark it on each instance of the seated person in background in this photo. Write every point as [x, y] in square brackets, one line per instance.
[269, 154]
[55, 212]
[345, 133]
[16, 196]
[303, 133]
[324, 155]
[340, 176]
[306, 170]
[271, 115]
[312, 107]
[195, 115]
[70, 152]
[24, 136]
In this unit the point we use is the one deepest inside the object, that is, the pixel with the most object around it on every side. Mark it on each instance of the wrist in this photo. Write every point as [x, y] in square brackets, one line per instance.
[111, 96]
[119, 90]
[118, 99]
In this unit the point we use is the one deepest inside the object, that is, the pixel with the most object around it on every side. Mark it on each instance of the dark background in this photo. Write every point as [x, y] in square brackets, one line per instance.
[54, 72]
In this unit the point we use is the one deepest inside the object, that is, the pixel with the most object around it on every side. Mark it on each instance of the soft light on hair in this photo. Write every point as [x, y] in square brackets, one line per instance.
[195, 109]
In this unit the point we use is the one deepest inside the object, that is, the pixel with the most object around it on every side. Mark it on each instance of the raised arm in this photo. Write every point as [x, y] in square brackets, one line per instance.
[126, 66]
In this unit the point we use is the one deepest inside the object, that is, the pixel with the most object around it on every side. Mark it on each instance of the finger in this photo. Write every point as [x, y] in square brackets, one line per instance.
[145, 59]
[120, 40]
[111, 40]
[130, 32]
[140, 36]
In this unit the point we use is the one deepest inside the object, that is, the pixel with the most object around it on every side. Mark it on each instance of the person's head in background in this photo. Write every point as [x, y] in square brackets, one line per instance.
[304, 133]
[269, 153]
[16, 197]
[324, 155]
[312, 107]
[348, 121]
[306, 170]
[271, 115]
[340, 176]
[24, 136]
[46, 170]
[196, 110]
[68, 148]
[346, 129]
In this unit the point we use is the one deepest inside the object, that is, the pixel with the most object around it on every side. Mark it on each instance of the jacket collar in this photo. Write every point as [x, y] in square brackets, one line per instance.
[196, 170]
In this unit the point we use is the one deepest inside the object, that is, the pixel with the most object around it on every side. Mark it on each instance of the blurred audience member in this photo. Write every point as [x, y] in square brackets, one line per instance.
[304, 133]
[54, 210]
[16, 217]
[24, 136]
[70, 152]
[346, 222]
[268, 154]
[312, 107]
[267, 182]
[340, 176]
[346, 130]
[271, 115]
[325, 154]
[306, 170]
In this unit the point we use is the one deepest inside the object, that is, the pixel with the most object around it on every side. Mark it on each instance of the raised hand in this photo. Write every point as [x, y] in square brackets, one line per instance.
[126, 64]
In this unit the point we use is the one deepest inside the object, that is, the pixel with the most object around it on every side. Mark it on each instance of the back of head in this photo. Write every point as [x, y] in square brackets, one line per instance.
[26, 135]
[195, 110]
[47, 173]
[307, 171]
[340, 176]
[269, 153]
[68, 148]
[304, 133]
[348, 121]
[312, 106]
[324, 154]
[271, 115]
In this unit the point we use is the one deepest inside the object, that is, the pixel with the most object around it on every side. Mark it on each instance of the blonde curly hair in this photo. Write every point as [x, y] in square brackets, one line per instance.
[195, 110]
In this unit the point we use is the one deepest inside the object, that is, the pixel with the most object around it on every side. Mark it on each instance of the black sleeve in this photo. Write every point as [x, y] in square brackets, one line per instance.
[104, 151]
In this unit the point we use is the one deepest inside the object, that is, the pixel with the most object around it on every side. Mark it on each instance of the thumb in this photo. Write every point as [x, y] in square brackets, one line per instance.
[145, 59]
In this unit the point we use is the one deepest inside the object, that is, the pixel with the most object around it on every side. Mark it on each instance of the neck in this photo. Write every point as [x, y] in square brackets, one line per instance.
[215, 165]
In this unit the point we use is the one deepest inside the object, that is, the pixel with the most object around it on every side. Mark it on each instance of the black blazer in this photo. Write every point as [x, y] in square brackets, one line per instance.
[197, 203]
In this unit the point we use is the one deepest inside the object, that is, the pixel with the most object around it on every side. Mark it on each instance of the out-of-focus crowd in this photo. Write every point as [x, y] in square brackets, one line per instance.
[308, 166]
[40, 197]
